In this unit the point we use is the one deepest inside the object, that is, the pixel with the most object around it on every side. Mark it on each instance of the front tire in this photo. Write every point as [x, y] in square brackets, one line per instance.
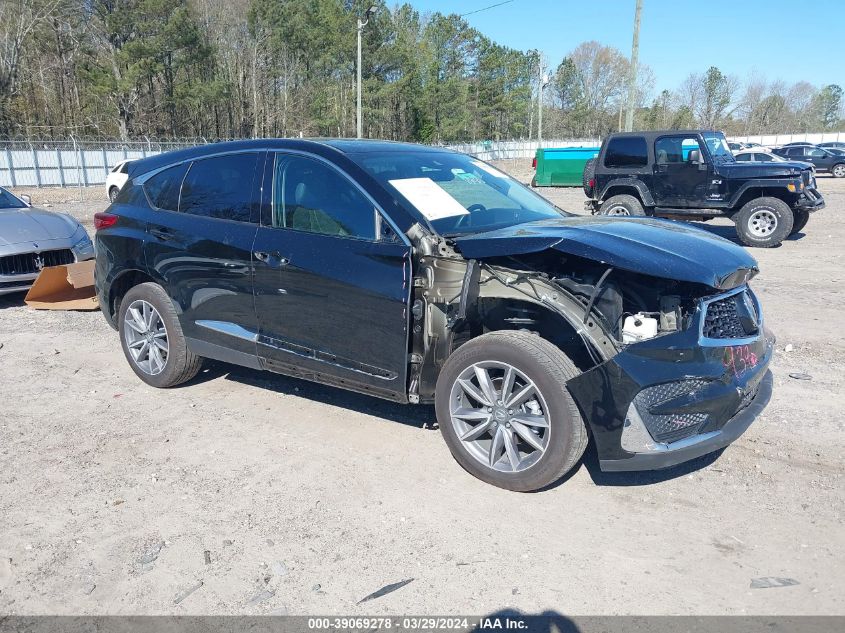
[764, 222]
[838, 170]
[801, 218]
[621, 205]
[113, 193]
[505, 412]
[152, 338]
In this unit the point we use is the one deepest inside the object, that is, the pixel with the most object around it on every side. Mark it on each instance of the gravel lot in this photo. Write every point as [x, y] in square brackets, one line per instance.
[245, 492]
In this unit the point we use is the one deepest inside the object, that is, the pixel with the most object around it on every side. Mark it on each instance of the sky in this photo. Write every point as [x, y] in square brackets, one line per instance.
[790, 40]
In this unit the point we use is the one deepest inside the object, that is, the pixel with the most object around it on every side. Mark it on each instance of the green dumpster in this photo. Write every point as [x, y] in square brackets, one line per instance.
[561, 166]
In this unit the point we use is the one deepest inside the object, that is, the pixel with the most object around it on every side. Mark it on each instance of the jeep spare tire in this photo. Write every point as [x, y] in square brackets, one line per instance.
[588, 175]
[621, 205]
[764, 222]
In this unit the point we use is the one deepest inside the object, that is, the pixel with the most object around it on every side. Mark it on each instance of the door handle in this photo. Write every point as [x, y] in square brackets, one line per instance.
[162, 234]
[271, 259]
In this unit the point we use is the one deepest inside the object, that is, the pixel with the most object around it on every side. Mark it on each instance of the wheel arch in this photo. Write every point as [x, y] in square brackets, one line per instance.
[627, 186]
[122, 284]
[752, 192]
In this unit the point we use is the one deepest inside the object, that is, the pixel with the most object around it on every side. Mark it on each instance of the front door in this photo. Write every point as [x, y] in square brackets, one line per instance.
[331, 281]
[681, 173]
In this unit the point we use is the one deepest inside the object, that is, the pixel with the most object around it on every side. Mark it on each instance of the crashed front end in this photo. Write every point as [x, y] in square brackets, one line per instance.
[678, 353]
[671, 398]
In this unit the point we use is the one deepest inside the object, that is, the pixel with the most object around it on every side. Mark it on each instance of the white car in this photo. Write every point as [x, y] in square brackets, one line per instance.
[747, 146]
[117, 178]
[757, 156]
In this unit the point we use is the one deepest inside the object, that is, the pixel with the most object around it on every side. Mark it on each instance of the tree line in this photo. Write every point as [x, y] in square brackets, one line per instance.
[239, 68]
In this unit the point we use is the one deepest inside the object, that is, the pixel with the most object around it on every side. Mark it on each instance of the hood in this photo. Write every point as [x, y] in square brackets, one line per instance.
[33, 225]
[765, 170]
[659, 248]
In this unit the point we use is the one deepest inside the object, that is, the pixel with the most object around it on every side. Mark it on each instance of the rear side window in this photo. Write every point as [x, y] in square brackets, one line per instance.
[220, 187]
[626, 151]
[163, 188]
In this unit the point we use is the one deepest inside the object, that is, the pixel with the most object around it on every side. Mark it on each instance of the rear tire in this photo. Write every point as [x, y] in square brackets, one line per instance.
[621, 205]
[535, 364]
[169, 364]
[764, 222]
[801, 218]
[588, 174]
[838, 170]
[113, 193]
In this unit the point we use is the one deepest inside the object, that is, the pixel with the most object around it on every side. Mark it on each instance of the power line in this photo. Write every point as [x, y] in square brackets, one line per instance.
[492, 6]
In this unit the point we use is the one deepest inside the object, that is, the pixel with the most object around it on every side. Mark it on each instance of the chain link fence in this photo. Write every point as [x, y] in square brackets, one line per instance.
[77, 162]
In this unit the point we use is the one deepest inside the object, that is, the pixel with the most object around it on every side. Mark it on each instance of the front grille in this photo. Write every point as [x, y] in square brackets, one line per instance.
[732, 317]
[673, 427]
[28, 263]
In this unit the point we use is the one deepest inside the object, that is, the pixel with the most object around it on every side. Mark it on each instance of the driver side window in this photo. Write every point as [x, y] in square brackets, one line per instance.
[311, 196]
[674, 149]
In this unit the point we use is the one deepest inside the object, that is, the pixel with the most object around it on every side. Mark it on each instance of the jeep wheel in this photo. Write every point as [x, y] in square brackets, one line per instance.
[621, 205]
[838, 171]
[764, 222]
[588, 174]
[505, 412]
[800, 220]
[152, 338]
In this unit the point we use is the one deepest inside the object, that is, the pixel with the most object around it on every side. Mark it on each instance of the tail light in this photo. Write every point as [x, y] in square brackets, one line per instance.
[534, 162]
[592, 182]
[104, 220]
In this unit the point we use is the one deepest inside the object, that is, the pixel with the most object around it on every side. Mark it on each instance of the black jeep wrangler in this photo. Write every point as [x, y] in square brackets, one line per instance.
[692, 175]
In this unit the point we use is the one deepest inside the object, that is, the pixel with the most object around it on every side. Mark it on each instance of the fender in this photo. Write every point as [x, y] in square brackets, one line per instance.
[446, 293]
[636, 183]
[764, 183]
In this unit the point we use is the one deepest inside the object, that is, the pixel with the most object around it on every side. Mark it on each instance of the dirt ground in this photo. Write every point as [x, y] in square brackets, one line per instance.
[244, 492]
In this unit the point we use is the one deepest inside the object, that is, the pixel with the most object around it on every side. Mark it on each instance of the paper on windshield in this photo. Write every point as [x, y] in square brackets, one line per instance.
[490, 170]
[429, 199]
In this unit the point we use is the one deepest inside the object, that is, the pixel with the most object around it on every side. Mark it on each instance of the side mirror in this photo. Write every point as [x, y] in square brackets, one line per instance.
[26, 198]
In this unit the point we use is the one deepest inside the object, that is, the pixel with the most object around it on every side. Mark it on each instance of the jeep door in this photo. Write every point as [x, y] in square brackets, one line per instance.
[200, 246]
[679, 181]
[332, 280]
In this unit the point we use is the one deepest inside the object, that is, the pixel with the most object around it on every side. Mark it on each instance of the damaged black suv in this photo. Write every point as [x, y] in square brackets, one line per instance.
[425, 276]
[692, 175]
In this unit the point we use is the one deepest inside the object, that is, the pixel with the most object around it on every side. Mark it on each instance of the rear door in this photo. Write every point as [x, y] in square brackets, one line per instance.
[200, 245]
[331, 281]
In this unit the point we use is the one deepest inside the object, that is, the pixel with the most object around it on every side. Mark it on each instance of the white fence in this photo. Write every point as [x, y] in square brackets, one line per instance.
[71, 164]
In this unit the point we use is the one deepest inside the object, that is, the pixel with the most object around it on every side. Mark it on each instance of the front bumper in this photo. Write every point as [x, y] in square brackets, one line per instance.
[810, 200]
[708, 395]
[82, 250]
[684, 450]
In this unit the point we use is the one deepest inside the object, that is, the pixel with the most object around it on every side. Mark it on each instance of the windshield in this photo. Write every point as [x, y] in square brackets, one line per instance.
[718, 147]
[456, 193]
[8, 201]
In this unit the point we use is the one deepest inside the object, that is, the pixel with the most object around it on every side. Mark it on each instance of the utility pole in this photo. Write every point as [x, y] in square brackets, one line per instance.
[542, 82]
[359, 117]
[632, 84]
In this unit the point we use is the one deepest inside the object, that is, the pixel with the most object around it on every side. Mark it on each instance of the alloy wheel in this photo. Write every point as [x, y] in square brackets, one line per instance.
[762, 223]
[839, 171]
[500, 416]
[146, 337]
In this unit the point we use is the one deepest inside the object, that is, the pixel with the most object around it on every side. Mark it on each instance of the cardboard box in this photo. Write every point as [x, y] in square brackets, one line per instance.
[68, 287]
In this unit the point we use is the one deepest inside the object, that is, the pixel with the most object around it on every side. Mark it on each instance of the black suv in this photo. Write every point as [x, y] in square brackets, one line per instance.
[421, 275]
[692, 175]
[821, 158]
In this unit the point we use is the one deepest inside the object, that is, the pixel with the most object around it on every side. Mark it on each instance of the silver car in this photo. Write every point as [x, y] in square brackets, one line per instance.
[32, 239]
